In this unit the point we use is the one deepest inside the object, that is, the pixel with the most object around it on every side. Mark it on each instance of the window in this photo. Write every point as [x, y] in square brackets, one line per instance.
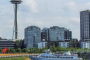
[46, 56]
[60, 57]
[49, 56]
[68, 57]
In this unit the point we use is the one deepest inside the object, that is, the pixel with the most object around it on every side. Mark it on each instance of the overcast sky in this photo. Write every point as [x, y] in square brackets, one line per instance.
[42, 13]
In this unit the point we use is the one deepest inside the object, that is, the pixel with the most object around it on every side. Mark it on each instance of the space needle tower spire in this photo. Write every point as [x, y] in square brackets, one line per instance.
[16, 3]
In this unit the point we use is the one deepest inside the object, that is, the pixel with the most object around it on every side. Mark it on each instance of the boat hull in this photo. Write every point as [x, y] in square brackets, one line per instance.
[42, 58]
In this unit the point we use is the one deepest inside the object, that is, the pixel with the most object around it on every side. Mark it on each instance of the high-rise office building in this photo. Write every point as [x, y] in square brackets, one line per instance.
[32, 36]
[85, 25]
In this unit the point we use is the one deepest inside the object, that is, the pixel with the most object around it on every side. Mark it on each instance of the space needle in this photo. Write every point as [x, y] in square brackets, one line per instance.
[15, 3]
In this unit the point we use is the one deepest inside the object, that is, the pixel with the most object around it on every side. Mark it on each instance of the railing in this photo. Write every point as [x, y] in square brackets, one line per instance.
[66, 55]
[9, 56]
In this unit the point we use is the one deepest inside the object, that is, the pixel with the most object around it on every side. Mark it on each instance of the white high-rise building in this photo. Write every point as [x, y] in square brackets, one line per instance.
[85, 25]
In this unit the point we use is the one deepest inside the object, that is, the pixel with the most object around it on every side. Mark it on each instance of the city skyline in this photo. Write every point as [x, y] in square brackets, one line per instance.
[42, 14]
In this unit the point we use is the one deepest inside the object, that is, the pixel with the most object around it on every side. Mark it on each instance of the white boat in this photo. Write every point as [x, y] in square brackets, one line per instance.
[49, 56]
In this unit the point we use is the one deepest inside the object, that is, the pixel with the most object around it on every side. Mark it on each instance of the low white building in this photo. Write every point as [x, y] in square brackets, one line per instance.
[64, 44]
[85, 44]
[42, 44]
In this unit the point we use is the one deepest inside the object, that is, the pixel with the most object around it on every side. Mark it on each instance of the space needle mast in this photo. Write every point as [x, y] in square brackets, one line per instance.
[16, 3]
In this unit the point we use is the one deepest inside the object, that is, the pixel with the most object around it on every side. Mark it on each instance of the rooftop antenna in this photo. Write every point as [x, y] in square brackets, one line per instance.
[15, 3]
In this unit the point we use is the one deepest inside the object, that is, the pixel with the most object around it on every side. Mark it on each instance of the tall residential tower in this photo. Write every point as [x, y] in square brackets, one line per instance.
[32, 36]
[85, 25]
[56, 33]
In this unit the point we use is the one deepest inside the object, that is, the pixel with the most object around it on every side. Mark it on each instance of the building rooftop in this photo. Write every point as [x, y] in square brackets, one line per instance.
[56, 27]
[32, 27]
[59, 28]
[86, 10]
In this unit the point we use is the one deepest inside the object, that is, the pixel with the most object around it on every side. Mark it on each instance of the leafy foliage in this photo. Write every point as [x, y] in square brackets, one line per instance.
[31, 50]
[52, 48]
[17, 43]
[18, 50]
[79, 54]
[24, 50]
[0, 50]
[36, 50]
[11, 50]
[83, 58]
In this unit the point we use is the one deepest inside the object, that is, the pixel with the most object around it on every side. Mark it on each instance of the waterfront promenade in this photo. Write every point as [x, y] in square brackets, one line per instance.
[16, 55]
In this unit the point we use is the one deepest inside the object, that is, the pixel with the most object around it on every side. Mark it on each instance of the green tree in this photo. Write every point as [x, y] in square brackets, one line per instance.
[0, 50]
[85, 54]
[67, 49]
[64, 49]
[79, 54]
[18, 50]
[72, 43]
[79, 49]
[54, 48]
[75, 49]
[83, 58]
[31, 50]
[72, 49]
[59, 48]
[12, 50]
[51, 48]
[86, 49]
[17, 43]
[36, 50]
[41, 50]
[24, 50]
